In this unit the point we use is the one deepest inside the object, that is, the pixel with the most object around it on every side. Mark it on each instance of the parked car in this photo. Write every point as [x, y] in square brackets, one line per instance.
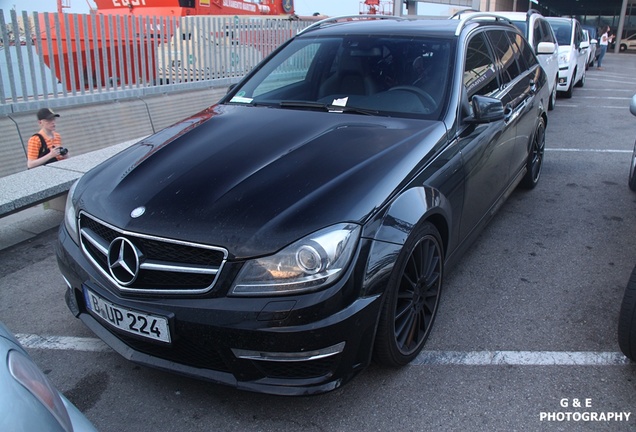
[627, 316]
[28, 400]
[541, 38]
[628, 43]
[591, 51]
[594, 39]
[277, 240]
[572, 53]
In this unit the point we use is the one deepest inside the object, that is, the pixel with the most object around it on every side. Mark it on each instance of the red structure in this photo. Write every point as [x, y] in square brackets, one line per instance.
[90, 50]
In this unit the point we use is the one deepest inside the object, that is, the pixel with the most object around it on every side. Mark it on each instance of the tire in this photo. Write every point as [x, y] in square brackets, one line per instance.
[623, 48]
[411, 298]
[535, 158]
[568, 92]
[553, 95]
[632, 171]
[627, 319]
[581, 82]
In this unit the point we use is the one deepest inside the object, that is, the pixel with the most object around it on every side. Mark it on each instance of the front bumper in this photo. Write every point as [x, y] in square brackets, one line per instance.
[284, 345]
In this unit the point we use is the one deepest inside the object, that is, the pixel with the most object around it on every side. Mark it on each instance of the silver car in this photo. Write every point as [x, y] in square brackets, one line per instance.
[28, 400]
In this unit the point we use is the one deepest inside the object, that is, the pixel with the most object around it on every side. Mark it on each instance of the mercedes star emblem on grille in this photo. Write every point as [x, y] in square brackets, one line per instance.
[123, 261]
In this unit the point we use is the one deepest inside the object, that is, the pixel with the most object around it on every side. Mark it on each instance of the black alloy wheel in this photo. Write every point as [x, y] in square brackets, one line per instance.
[535, 158]
[411, 299]
[627, 319]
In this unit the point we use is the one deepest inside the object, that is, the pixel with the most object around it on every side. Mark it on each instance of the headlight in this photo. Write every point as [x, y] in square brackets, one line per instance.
[564, 59]
[28, 374]
[70, 215]
[306, 265]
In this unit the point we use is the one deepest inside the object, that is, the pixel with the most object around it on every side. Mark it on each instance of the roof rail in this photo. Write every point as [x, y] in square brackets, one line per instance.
[463, 21]
[463, 11]
[336, 19]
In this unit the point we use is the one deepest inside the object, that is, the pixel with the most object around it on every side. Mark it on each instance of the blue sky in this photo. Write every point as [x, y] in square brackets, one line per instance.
[303, 7]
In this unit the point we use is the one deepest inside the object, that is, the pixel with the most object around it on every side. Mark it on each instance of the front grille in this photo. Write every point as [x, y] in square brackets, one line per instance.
[153, 265]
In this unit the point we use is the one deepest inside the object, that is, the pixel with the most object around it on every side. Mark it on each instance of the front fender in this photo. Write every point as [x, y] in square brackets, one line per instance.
[390, 229]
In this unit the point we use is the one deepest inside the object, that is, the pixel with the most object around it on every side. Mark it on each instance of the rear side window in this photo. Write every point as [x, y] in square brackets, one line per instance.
[480, 75]
[507, 55]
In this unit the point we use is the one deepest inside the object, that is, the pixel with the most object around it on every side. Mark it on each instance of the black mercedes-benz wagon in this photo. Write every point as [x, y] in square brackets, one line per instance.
[284, 237]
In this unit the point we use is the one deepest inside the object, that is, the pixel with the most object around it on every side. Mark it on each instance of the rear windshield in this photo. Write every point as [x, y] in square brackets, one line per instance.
[523, 26]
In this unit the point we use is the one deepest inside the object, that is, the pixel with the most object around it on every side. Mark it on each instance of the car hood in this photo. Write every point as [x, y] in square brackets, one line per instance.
[254, 179]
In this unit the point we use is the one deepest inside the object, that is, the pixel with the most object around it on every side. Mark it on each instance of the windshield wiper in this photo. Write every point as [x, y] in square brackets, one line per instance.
[326, 107]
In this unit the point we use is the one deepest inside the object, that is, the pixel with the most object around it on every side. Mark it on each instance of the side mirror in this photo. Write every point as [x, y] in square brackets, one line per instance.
[632, 105]
[546, 48]
[486, 110]
[585, 44]
[230, 88]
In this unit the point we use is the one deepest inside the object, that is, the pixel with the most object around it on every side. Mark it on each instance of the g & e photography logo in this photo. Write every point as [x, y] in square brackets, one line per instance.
[582, 410]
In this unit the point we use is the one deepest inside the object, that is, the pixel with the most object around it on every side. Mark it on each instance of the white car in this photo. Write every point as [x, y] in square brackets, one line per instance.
[628, 43]
[541, 38]
[591, 51]
[572, 53]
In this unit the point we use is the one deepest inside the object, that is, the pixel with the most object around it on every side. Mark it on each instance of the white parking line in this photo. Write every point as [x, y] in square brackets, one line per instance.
[600, 107]
[472, 358]
[62, 343]
[520, 358]
[575, 150]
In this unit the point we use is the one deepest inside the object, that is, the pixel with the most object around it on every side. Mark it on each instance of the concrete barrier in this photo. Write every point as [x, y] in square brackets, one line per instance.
[90, 127]
[92, 133]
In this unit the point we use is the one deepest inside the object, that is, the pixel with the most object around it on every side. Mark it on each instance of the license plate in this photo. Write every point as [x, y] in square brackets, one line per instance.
[131, 321]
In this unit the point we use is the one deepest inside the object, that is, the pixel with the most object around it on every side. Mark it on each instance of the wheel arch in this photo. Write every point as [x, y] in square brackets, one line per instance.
[390, 228]
[409, 209]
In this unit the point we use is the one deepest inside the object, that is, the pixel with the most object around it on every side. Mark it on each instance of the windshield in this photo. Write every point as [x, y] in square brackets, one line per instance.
[391, 76]
[562, 31]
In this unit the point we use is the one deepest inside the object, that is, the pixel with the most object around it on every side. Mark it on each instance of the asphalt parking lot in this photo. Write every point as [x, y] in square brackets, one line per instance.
[525, 338]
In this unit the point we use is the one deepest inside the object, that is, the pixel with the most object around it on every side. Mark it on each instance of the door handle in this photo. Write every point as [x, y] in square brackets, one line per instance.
[508, 112]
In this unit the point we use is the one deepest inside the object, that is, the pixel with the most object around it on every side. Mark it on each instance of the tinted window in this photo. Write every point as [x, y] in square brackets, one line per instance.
[507, 54]
[480, 76]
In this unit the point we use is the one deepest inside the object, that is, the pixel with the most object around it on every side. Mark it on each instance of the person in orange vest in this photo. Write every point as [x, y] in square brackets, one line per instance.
[45, 146]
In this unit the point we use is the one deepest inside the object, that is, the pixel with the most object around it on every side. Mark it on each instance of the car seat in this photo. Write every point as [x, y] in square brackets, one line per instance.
[351, 78]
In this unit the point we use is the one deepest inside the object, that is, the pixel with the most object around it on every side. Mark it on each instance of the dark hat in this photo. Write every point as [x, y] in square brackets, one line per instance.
[46, 114]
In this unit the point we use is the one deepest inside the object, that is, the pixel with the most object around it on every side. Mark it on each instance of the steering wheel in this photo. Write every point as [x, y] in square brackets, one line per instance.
[426, 99]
